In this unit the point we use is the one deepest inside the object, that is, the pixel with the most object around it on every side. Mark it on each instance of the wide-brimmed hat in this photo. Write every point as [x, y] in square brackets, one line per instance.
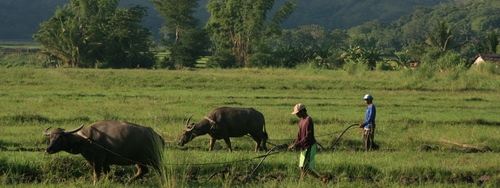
[298, 107]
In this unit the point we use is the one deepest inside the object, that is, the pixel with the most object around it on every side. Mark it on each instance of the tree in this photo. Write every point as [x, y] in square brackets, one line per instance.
[309, 43]
[491, 42]
[239, 26]
[88, 33]
[442, 36]
[61, 37]
[178, 15]
[126, 43]
[185, 52]
[184, 40]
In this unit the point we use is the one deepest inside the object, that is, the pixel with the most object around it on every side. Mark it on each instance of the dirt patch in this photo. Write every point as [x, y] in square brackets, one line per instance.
[483, 180]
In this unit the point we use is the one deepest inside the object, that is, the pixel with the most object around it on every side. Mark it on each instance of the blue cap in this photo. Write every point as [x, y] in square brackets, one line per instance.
[367, 97]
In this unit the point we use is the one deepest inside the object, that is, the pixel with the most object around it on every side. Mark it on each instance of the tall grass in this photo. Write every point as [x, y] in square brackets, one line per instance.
[432, 126]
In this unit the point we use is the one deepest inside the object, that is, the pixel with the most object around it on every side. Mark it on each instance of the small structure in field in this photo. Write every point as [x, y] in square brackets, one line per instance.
[492, 58]
[414, 64]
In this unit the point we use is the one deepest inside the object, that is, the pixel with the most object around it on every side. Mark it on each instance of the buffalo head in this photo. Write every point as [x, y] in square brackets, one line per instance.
[60, 140]
[187, 133]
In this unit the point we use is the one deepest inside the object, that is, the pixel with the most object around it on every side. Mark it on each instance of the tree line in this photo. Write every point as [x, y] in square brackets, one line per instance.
[245, 33]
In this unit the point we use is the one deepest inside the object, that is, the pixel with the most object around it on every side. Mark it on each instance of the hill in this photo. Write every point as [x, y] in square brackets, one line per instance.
[344, 14]
[21, 18]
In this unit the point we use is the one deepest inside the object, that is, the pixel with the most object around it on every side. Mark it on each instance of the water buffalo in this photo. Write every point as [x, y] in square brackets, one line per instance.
[225, 122]
[105, 143]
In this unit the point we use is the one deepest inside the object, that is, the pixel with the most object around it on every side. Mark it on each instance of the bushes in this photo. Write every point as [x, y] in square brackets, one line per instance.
[222, 59]
[488, 68]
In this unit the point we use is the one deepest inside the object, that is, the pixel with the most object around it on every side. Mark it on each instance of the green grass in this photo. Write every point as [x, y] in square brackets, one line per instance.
[416, 108]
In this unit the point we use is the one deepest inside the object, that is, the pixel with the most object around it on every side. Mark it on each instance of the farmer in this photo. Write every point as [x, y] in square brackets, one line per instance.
[369, 124]
[306, 143]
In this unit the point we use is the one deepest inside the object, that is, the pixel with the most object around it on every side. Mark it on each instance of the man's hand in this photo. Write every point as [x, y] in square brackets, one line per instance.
[291, 147]
[360, 126]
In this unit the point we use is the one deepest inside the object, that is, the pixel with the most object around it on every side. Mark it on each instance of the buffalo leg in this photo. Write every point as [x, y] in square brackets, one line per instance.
[99, 166]
[257, 143]
[260, 142]
[263, 138]
[106, 170]
[228, 143]
[212, 142]
[257, 146]
[97, 172]
[264, 141]
[141, 170]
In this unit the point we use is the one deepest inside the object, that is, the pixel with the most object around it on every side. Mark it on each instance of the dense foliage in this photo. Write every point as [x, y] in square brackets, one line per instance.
[444, 36]
[185, 42]
[331, 14]
[460, 27]
[242, 27]
[95, 33]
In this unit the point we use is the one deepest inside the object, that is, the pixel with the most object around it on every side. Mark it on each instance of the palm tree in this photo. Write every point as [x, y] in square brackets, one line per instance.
[442, 36]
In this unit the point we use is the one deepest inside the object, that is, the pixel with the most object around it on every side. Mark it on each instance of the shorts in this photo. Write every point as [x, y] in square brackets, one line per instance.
[307, 157]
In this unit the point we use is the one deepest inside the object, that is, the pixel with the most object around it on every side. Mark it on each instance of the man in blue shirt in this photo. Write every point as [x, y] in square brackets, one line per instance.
[369, 124]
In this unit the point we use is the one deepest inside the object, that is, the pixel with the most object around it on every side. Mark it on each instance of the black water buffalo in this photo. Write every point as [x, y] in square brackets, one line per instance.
[225, 122]
[105, 143]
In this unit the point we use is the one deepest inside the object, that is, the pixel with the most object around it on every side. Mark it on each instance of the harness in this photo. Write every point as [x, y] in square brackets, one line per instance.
[214, 126]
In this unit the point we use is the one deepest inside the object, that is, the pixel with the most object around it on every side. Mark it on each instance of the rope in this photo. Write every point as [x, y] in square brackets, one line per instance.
[268, 153]
[235, 161]
[229, 162]
[196, 164]
[112, 152]
[328, 134]
[335, 142]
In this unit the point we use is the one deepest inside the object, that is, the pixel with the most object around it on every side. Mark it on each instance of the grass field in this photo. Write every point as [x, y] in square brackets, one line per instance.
[435, 129]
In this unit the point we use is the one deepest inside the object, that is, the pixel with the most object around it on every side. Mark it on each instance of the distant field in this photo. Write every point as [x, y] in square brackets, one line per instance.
[19, 44]
[435, 129]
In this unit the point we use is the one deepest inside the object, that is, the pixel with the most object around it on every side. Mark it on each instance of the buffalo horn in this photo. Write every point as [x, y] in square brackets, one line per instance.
[45, 132]
[74, 130]
[187, 124]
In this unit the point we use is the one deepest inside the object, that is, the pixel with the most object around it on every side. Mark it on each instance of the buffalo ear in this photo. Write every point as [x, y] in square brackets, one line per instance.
[190, 127]
[45, 132]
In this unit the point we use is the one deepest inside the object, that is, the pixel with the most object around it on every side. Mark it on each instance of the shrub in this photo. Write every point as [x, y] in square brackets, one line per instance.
[487, 67]
[222, 59]
[352, 67]
[261, 60]
[449, 61]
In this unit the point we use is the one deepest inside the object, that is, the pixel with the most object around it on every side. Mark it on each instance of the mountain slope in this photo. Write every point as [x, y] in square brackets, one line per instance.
[20, 19]
[344, 14]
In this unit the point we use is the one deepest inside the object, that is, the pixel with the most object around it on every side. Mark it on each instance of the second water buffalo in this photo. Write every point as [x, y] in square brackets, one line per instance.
[225, 122]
